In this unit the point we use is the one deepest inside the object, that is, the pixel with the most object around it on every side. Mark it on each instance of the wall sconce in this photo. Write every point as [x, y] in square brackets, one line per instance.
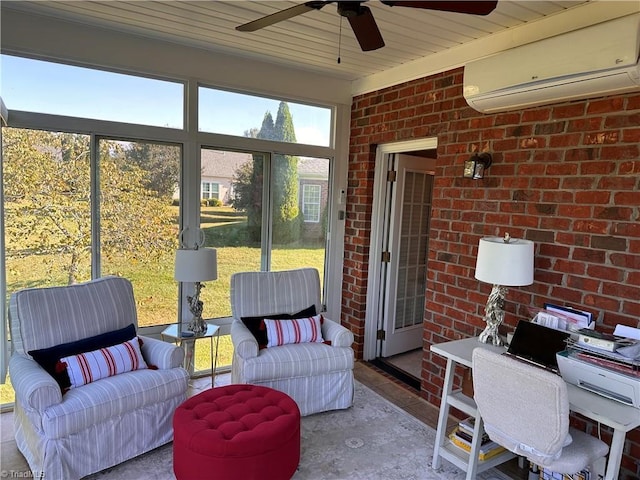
[476, 165]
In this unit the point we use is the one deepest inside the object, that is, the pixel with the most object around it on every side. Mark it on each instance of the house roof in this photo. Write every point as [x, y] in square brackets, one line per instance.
[223, 164]
[218, 163]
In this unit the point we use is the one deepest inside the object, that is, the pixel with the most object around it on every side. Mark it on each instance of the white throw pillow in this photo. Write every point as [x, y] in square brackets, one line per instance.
[105, 362]
[299, 330]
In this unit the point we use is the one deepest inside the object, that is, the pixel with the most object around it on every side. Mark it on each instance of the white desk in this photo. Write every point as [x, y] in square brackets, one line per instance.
[620, 417]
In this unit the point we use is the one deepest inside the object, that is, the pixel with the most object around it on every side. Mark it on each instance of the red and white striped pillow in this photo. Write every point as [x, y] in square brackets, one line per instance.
[299, 330]
[105, 362]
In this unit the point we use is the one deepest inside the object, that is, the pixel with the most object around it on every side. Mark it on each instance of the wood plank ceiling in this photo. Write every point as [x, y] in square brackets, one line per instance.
[311, 41]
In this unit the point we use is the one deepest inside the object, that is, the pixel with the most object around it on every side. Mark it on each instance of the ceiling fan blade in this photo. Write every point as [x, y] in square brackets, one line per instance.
[474, 8]
[285, 14]
[366, 30]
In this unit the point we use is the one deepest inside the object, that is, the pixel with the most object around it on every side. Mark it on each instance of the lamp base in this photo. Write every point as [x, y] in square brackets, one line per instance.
[493, 316]
[197, 325]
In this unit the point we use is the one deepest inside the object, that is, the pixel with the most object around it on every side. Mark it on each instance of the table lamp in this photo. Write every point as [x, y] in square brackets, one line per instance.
[503, 262]
[197, 265]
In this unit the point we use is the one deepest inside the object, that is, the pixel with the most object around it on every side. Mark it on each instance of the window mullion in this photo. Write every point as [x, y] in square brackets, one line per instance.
[94, 168]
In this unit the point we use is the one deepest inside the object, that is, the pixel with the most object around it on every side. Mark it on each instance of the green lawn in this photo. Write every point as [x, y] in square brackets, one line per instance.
[154, 287]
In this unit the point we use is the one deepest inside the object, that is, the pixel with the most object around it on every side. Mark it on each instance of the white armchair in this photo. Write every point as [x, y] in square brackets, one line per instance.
[95, 426]
[318, 376]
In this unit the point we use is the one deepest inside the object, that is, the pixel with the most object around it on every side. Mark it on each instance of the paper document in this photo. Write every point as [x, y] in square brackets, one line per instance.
[578, 318]
[627, 332]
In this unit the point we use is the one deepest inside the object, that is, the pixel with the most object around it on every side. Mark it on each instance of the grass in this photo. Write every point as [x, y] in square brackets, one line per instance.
[155, 290]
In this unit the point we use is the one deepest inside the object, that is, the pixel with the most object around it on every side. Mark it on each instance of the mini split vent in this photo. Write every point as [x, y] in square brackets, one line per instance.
[591, 62]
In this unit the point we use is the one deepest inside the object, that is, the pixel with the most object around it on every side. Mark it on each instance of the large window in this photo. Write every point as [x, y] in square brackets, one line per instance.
[47, 208]
[260, 226]
[296, 242]
[101, 174]
[59, 89]
[138, 223]
[47, 211]
[244, 115]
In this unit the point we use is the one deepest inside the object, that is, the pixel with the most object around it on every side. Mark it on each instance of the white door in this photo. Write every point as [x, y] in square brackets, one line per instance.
[405, 250]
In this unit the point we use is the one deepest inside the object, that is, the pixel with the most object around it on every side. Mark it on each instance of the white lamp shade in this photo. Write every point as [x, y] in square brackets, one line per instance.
[196, 265]
[507, 264]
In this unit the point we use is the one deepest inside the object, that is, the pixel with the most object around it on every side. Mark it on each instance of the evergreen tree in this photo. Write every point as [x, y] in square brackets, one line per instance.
[287, 220]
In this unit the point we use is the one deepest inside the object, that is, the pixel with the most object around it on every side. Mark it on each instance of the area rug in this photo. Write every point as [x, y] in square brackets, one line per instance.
[373, 440]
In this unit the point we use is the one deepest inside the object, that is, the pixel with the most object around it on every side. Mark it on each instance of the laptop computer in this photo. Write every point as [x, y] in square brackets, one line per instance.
[537, 344]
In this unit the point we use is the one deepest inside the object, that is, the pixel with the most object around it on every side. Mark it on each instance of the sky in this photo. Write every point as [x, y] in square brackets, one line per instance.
[45, 87]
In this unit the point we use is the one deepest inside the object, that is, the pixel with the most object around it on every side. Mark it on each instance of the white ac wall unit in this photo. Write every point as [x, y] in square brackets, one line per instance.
[594, 61]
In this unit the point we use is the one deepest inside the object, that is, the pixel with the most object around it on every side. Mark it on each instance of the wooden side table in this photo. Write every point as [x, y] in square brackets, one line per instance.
[187, 342]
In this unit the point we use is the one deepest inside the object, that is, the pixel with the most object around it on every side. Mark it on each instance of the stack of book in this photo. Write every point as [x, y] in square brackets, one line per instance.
[546, 474]
[462, 436]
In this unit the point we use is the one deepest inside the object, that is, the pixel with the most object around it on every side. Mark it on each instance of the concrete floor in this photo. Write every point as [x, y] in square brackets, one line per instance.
[410, 362]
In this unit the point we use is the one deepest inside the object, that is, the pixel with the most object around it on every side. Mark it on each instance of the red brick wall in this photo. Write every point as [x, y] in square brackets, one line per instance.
[566, 176]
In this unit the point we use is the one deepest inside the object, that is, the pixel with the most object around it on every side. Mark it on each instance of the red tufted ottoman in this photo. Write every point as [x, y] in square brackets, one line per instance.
[239, 432]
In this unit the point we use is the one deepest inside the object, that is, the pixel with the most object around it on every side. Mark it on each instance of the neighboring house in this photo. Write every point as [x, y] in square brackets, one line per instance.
[218, 171]
[314, 193]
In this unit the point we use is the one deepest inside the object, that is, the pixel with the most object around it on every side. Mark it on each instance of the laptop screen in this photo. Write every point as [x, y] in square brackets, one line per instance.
[538, 344]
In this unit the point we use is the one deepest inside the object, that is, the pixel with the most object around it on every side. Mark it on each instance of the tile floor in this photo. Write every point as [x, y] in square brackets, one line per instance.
[388, 387]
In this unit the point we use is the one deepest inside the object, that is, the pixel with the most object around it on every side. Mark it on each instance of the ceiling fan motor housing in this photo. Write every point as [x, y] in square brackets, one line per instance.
[350, 9]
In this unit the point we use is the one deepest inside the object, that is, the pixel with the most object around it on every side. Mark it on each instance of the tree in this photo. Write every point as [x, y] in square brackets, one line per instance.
[161, 164]
[251, 133]
[287, 219]
[247, 195]
[47, 185]
[248, 181]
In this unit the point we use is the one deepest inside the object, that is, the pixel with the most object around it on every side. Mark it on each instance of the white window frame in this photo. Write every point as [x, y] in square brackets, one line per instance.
[207, 190]
[307, 187]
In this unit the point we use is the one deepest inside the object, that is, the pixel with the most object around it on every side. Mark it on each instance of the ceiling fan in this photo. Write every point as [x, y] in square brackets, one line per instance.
[361, 19]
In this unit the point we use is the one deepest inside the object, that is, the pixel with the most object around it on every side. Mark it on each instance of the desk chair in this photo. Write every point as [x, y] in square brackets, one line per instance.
[526, 410]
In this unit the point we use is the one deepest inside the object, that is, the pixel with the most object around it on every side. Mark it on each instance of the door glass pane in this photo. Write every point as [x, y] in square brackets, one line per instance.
[47, 211]
[47, 208]
[412, 265]
[139, 222]
[298, 243]
[233, 225]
